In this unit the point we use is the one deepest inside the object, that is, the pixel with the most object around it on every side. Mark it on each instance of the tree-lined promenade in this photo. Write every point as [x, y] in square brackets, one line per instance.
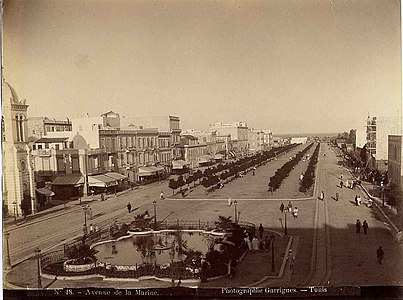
[340, 223]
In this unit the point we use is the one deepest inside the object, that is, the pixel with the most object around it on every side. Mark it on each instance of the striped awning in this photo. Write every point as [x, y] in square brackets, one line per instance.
[146, 171]
[101, 181]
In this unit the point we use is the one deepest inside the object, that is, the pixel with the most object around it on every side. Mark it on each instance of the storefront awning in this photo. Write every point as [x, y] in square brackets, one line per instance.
[115, 175]
[101, 181]
[68, 179]
[157, 169]
[45, 192]
[218, 156]
[204, 159]
[179, 164]
[146, 171]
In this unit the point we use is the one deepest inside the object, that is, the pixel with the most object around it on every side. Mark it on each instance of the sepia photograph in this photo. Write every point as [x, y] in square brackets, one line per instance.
[213, 149]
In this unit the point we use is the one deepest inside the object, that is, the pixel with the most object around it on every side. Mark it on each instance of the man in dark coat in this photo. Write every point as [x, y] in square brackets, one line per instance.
[358, 226]
[380, 254]
[129, 207]
[365, 226]
[261, 230]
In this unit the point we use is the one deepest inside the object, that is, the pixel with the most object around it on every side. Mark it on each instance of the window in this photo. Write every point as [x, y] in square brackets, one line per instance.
[46, 145]
[39, 147]
[57, 147]
[33, 147]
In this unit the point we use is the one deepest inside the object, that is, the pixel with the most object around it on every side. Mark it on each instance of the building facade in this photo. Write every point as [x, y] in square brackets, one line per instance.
[395, 159]
[41, 126]
[239, 135]
[377, 131]
[18, 177]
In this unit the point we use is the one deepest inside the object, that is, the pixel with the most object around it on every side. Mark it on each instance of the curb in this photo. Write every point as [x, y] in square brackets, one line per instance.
[376, 204]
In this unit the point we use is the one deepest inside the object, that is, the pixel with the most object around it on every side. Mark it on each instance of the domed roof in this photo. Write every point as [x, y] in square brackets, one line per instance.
[8, 93]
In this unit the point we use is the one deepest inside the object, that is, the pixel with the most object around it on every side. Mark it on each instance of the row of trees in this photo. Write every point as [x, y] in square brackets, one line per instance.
[309, 175]
[281, 173]
[180, 182]
[230, 171]
[214, 175]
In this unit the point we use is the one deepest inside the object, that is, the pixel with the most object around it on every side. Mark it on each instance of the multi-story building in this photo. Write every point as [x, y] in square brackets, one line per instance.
[238, 132]
[192, 151]
[256, 140]
[267, 139]
[169, 124]
[378, 129]
[18, 176]
[395, 159]
[40, 126]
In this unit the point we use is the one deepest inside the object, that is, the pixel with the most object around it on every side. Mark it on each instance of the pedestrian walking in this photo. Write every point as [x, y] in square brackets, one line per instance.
[290, 259]
[229, 201]
[261, 230]
[341, 176]
[295, 212]
[365, 226]
[289, 206]
[282, 207]
[355, 200]
[91, 228]
[162, 196]
[248, 242]
[322, 195]
[358, 226]
[89, 209]
[379, 255]
[102, 197]
[337, 196]
[341, 184]
[255, 244]
[129, 207]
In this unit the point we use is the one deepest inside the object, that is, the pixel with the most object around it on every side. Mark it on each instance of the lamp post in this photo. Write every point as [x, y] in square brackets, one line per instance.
[155, 214]
[85, 210]
[15, 211]
[285, 221]
[38, 256]
[273, 268]
[383, 193]
[8, 259]
[236, 219]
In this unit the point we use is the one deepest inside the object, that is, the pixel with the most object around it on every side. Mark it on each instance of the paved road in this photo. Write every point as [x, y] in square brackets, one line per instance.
[341, 256]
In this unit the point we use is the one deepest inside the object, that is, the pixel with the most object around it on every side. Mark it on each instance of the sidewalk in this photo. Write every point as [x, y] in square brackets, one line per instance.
[71, 206]
[394, 219]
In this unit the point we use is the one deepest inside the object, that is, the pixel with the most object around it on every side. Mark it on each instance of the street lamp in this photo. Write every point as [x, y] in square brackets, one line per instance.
[38, 256]
[285, 221]
[15, 211]
[273, 268]
[236, 219]
[8, 261]
[155, 214]
[85, 209]
[383, 193]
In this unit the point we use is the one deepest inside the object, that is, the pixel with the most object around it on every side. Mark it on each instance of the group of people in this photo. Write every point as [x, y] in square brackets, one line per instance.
[358, 226]
[293, 211]
[255, 244]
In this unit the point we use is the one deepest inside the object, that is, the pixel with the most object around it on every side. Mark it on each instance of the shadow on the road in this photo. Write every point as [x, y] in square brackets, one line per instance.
[97, 215]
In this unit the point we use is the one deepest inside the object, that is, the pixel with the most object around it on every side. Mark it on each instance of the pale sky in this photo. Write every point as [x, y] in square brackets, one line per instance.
[289, 66]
